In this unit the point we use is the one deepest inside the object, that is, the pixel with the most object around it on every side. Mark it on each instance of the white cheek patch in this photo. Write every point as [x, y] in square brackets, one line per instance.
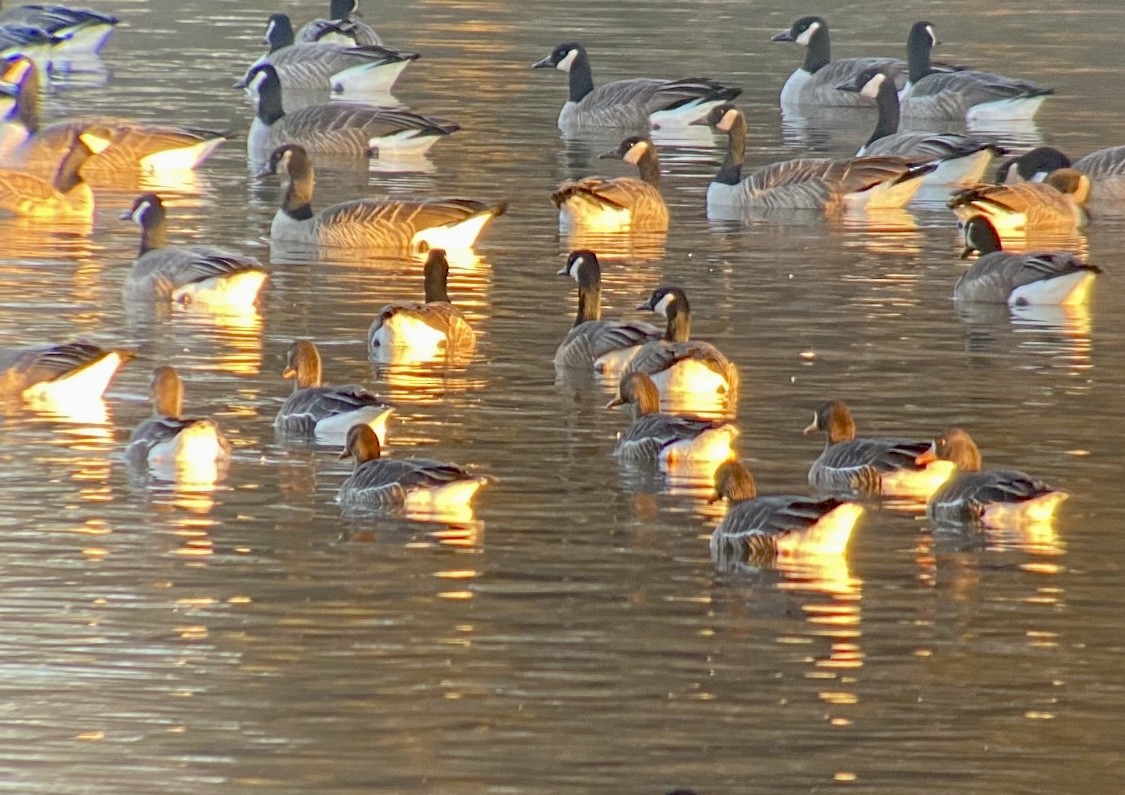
[283, 163]
[576, 266]
[565, 64]
[256, 83]
[140, 212]
[815, 420]
[636, 152]
[95, 143]
[270, 28]
[807, 34]
[933, 36]
[727, 122]
[663, 304]
[872, 86]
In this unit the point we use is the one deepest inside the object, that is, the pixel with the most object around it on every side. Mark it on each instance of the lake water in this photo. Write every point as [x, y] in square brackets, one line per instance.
[574, 637]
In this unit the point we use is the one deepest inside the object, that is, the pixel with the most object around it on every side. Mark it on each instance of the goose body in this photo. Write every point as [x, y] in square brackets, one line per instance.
[342, 26]
[636, 104]
[993, 498]
[620, 204]
[390, 224]
[67, 196]
[1055, 205]
[69, 371]
[191, 445]
[203, 275]
[1020, 279]
[72, 31]
[870, 466]
[1104, 167]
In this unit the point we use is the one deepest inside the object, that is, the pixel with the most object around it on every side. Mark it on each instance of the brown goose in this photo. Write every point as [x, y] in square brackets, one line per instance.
[618, 204]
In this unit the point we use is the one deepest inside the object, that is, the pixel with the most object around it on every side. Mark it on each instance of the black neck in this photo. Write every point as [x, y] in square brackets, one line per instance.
[730, 173]
[153, 230]
[818, 53]
[581, 78]
[67, 175]
[281, 34]
[886, 101]
[649, 167]
[27, 100]
[918, 59]
[297, 202]
[340, 9]
[269, 99]
[437, 274]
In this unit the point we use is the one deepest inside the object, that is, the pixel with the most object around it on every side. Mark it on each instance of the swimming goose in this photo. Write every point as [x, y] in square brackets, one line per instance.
[605, 345]
[326, 412]
[668, 439]
[435, 324]
[966, 94]
[683, 369]
[962, 159]
[390, 224]
[170, 438]
[329, 66]
[70, 370]
[413, 484]
[634, 104]
[72, 30]
[869, 466]
[622, 203]
[341, 26]
[810, 183]
[1104, 167]
[813, 84]
[998, 498]
[203, 275]
[337, 128]
[1035, 165]
[1002, 277]
[1057, 204]
[67, 195]
[759, 529]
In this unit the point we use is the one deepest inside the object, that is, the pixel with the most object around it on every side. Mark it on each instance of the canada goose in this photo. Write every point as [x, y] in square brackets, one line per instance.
[1036, 165]
[430, 326]
[809, 183]
[759, 529]
[677, 364]
[962, 159]
[963, 93]
[170, 438]
[668, 439]
[813, 84]
[68, 371]
[413, 484]
[341, 26]
[605, 345]
[326, 412]
[337, 128]
[389, 224]
[622, 203]
[869, 466]
[634, 104]
[998, 498]
[25, 40]
[1019, 279]
[203, 275]
[328, 66]
[67, 195]
[1104, 167]
[1057, 204]
[72, 30]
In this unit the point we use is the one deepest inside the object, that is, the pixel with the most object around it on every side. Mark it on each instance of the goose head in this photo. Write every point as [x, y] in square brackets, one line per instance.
[279, 32]
[835, 419]
[803, 30]
[582, 265]
[561, 58]
[721, 118]
[868, 82]
[640, 390]
[167, 392]
[980, 235]
[1033, 166]
[632, 150]
[734, 482]
[956, 446]
[302, 362]
[362, 444]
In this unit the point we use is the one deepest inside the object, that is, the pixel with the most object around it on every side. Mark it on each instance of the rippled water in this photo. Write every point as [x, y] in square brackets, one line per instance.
[574, 637]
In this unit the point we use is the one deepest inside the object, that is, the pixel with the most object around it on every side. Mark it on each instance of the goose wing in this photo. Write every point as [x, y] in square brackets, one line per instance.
[665, 429]
[406, 473]
[775, 515]
[884, 454]
[18, 188]
[311, 405]
[1036, 200]
[622, 192]
[655, 357]
[53, 18]
[927, 146]
[976, 87]
[587, 342]
[1108, 162]
[995, 275]
[22, 367]
[176, 266]
[328, 58]
[357, 31]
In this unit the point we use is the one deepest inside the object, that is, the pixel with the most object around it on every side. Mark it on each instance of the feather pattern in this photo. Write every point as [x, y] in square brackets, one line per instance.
[24, 368]
[1057, 204]
[394, 324]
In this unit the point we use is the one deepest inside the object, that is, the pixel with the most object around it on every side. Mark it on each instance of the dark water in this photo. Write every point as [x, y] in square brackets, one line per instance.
[574, 637]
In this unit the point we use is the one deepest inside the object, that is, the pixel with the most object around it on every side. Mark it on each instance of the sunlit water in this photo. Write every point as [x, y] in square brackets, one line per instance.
[573, 636]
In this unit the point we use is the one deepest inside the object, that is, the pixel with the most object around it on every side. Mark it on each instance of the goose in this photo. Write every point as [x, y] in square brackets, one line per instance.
[668, 439]
[677, 364]
[813, 83]
[435, 324]
[413, 484]
[1035, 165]
[809, 183]
[869, 466]
[1021, 279]
[389, 224]
[25, 40]
[72, 30]
[1057, 204]
[634, 104]
[337, 128]
[203, 275]
[760, 529]
[329, 66]
[997, 498]
[619, 204]
[170, 438]
[341, 26]
[67, 371]
[1104, 167]
[962, 159]
[968, 94]
[67, 196]
[605, 345]
[324, 412]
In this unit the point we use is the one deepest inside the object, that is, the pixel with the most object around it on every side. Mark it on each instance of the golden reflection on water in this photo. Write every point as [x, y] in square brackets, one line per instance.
[635, 247]
[424, 384]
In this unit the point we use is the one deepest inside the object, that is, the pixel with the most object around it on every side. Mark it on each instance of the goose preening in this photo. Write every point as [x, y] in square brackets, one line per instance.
[758, 530]
[998, 498]
[202, 275]
[605, 345]
[637, 104]
[388, 224]
[809, 183]
[1020, 279]
[67, 196]
[598, 204]
[325, 412]
[870, 466]
[1058, 204]
[68, 372]
[72, 31]
[1104, 167]
[342, 26]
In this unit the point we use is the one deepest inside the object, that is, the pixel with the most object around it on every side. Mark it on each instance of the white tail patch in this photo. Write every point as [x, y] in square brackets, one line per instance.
[612, 363]
[443, 500]
[90, 381]
[403, 330]
[333, 430]
[181, 159]
[367, 77]
[884, 196]
[685, 114]
[961, 172]
[1068, 290]
[592, 216]
[233, 291]
[404, 143]
[1040, 510]
[711, 446]
[917, 484]
[1019, 109]
[199, 442]
[829, 536]
[461, 235]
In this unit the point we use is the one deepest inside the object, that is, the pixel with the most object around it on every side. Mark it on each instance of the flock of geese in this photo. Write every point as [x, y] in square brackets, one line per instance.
[308, 93]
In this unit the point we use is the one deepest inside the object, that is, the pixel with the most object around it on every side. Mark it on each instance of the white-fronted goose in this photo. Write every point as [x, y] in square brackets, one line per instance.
[619, 204]
[68, 371]
[170, 438]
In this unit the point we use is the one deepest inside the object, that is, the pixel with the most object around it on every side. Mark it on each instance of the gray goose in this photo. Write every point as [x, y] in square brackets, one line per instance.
[170, 438]
[621, 203]
[341, 26]
[67, 371]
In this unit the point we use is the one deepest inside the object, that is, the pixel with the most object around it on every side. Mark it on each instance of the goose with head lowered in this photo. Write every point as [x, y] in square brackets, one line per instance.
[386, 224]
[73, 31]
[350, 129]
[1104, 167]
[605, 345]
[61, 373]
[200, 275]
[1059, 204]
[67, 196]
[343, 26]
[824, 184]
[637, 104]
[620, 204]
